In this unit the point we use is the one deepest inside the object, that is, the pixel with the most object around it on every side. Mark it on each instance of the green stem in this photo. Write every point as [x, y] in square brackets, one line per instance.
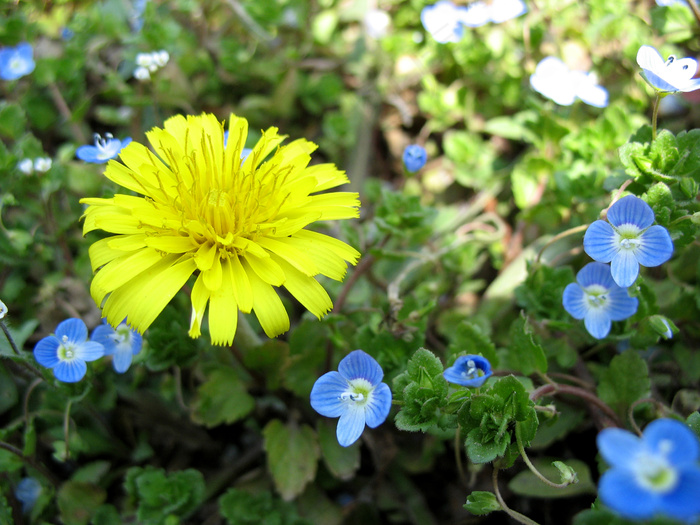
[591, 398]
[9, 338]
[31, 462]
[458, 456]
[654, 116]
[529, 464]
[521, 518]
[565, 233]
[694, 9]
[66, 427]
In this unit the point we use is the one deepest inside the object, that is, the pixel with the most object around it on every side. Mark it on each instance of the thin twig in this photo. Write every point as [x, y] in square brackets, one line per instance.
[31, 462]
[532, 467]
[513, 514]
[591, 398]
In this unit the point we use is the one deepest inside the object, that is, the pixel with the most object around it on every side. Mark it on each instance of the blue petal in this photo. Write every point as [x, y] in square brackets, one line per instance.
[359, 364]
[599, 242]
[89, 351]
[122, 360]
[378, 405]
[70, 371]
[326, 392]
[136, 342]
[656, 247]
[618, 447]
[46, 351]
[620, 305]
[89, 153]
[619, 490]
[684, 502]
[350, 425]
[658, 83]
[597, 322]
[683, 444]
[456, 373]
[595, 273]
[631, 210]
[74, 329]
[624, 268]
[574, 301]
[690, 86]
[102, 334]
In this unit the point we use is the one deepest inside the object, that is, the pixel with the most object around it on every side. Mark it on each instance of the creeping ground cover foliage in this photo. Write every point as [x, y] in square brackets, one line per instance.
[349, 262]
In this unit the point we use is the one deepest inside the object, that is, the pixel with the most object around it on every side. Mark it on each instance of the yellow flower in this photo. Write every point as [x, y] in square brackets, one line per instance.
[238, 224]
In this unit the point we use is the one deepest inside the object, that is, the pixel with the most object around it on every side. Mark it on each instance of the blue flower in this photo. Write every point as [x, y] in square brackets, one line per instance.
[657, 474]
[496, 11]
[628, 240]
[354, 393]
[469, 370]
[121, 342]
[554, 80]
[596, 299]
[443, 21]
[669, 76]
[67, 351]
[414, 157]
[15, 62]
[27, 492]
[104, 149]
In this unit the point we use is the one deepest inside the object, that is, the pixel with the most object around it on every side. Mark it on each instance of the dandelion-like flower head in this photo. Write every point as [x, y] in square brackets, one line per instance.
[238, 224]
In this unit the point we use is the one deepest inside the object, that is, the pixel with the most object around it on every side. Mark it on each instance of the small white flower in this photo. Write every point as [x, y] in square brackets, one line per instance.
[670, 76]
[144, 59]
[42, 164]
[3, 310]
[142, 74]
[160, 58]
[26, 166]
[376, 23]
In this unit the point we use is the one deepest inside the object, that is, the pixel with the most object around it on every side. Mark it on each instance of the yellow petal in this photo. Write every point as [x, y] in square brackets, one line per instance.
[205, 256]
[327, 176]
[145, 296]
[223, 311]
[199, 297]
[212, 277]
[305, 289]
[171, 243]
[121, 270]
[340, 248]
[267, 305]
[241, 285]
[328, 262]
[267, 269]
[289, 253]
[101, 253]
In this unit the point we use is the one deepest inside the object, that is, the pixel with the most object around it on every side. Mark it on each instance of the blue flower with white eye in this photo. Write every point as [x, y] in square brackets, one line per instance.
[354, 393]
[444, 21]
[497, 11]
[554, 80]
[667, 76]
[655, 475]
[15, 62]
[67, 351]
[596, 299]
[414, 157]
[27, 492]
[469, 370]
[104, 149]
[122, 342]
[628, 239]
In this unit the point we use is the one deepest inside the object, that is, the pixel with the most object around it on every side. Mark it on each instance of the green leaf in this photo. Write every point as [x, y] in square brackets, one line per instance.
[107, 515]
[525, 483]
[160, 495]
[341, 461]
[242, 508]
[222, 398]
[8, 389]
[481, 503]
[13, 121]
[524, 353]
[567, 473]
[481, 449]
[693, 422]
[470, 339]
[292, 455]
[78, 502]
[625, 381]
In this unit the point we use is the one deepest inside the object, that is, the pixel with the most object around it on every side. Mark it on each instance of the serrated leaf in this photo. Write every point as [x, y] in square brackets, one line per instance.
[222, 398]
[342, 462]
[625, 381]
[292, 455]
[481, 503]
[424, 365]
[483, 448]
[524, 353]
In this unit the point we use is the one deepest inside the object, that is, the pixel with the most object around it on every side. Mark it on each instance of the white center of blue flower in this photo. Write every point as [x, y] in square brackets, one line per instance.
[66, 351]
[472, 372]
[628, 236]
[16, 64]
[358, 391]
[596, 295]
[121, 335]
[107, 147]
[653, 470]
